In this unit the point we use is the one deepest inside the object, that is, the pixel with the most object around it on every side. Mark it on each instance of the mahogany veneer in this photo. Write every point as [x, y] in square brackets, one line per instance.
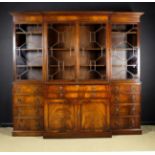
[76, 74]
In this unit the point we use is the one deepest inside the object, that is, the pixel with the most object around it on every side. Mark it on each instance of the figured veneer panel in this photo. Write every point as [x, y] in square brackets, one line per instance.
[94, 115]
[60, 116]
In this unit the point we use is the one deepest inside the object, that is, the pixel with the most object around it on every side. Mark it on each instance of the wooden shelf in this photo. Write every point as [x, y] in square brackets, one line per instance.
[27, 49]
[91, 49]
[23, 66]
[64, 66]
[124, 49]
[92, 65]
[124, 65]
[119, 32]
[30, 33]
[61, 49]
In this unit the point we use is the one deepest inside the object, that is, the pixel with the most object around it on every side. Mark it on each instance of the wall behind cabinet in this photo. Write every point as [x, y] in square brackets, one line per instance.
[147, 49]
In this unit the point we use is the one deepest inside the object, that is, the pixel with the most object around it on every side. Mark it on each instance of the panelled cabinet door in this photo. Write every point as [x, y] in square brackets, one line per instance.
[94, 115]
[60, 116]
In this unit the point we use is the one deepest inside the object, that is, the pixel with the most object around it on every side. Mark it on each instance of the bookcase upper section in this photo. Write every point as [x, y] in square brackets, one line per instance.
[76, 46]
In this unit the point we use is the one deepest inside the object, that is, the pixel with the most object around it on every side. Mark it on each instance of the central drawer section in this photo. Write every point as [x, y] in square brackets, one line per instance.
[77, 108]
[77, 91]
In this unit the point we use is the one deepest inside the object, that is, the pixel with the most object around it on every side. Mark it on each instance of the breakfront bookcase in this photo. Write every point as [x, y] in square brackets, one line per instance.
[76, 74]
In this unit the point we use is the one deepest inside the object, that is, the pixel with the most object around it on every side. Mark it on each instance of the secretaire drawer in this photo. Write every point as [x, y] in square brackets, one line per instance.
[78, 95]
[68, 88]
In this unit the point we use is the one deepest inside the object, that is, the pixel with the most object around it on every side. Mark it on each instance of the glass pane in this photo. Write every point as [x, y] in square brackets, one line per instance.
[92, 52]
[29, 51]
[124, 51]
[61, 51]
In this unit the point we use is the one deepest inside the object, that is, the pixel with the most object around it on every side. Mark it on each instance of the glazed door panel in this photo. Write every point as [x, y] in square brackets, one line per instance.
[92, 51]
[61, 51]
[28, 52]
[94, 115]
[125, 52]
[61, 116]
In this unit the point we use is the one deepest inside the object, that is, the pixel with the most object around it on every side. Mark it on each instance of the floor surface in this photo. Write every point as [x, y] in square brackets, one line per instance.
[144, 142]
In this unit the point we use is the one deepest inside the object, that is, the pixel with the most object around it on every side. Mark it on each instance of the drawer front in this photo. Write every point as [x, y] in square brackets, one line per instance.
[68, 88]
[28, 111]
[30, 100]
[28, 89]
[125, 123]
[78, 95]
[125, 98]
[28, 124]
[126, 88]
[125, 109]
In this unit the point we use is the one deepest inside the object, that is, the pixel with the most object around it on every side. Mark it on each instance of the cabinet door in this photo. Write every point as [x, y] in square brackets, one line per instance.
[92, 51]
[61, 51]
[60, 116]
[125, 48]
[94, 115]
[28, 52]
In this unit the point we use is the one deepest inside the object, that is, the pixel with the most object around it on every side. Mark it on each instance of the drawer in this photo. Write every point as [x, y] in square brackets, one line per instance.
[125, 98]
[125, 88]
[19, 100]
[68, 88]
[24, 111]
[78, 95]
[125, 123]
[28, 124]
[125, 109]
[28, 89]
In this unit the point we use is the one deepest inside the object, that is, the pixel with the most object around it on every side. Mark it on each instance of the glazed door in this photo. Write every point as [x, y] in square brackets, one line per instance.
[28, 52]
[125, 52]
[61, 52]
[77, 51]
[94, 115]
[92, 52]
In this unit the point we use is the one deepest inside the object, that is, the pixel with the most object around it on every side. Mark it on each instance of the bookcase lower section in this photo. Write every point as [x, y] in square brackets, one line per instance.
[76, 111]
